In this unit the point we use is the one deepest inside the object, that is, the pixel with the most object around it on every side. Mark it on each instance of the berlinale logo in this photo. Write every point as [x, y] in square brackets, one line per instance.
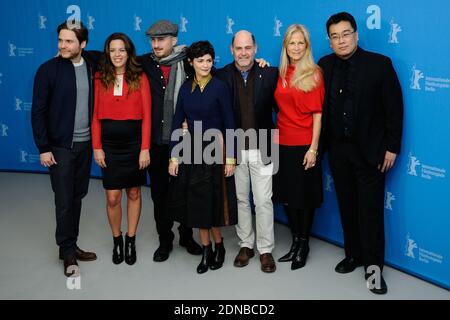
[4, 130]
[328, 182]
[18, 104]
[12, 48]
[137, 23]
[90, 24]
[277, 27]
[388, 200]
[230, 24]
[42, 20]
[410, 246]
[395, 28]
[183, 22]
[412, 164]
[416, 76]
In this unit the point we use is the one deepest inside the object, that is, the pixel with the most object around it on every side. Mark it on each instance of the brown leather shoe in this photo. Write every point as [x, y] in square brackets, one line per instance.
[84, 255]
[267, 263]
[71, 266]
[243, 257]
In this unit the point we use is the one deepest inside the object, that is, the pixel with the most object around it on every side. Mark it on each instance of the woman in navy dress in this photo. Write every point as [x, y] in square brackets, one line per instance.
[202, 192]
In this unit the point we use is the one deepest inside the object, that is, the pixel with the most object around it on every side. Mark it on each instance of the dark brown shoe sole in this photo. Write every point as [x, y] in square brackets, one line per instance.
[269, 270]
[84, 260]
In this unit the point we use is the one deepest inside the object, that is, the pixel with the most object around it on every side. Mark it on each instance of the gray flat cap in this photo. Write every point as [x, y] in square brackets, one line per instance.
[162, 28]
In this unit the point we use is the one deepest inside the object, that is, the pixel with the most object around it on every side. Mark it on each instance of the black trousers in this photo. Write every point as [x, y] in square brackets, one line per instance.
[159, 183]
[300, 221]
[360, 195]
[70, 181]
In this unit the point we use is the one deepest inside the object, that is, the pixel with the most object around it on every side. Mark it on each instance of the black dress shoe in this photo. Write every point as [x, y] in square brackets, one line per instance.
[347, 265]
[82, 255]
[162, 253]
[191, 246]
[71, 266]
[381, 288]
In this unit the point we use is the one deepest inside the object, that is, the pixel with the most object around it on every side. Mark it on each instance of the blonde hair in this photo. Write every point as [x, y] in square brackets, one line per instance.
[306, 75]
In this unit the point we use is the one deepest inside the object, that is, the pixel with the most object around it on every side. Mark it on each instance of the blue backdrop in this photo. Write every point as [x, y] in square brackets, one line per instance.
[417, 210]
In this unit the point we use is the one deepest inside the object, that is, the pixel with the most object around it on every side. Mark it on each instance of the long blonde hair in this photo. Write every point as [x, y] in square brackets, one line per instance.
[305, 76]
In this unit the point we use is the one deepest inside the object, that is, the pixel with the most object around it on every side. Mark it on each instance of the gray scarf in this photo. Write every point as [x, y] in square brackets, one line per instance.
[176, 78]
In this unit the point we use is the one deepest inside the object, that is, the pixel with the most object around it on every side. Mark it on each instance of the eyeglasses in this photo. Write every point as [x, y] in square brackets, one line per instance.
[344, 36]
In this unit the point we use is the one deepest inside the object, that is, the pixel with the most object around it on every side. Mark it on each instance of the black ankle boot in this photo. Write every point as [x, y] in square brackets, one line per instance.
[117, 256]
[206, 259]
[218, 256]
[294, 247]
[130, 249]
[301, 255]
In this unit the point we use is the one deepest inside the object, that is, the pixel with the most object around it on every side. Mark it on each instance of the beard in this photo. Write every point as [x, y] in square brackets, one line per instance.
[69, 55]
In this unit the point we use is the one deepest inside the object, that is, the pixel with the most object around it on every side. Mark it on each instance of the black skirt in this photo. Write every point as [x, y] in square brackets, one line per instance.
[121, 140]
[201, 197]
[293, 185]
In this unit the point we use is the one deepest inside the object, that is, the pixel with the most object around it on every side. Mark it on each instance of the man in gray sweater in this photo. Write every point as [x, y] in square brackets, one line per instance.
[61, 113]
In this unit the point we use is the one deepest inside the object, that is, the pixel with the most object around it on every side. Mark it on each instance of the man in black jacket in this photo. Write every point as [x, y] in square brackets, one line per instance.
[362, 129]
[253, 103]
[166, 68]
[61, 113]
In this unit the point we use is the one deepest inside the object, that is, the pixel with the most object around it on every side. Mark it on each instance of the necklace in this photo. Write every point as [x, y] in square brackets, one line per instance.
[119, 80]
[201, 83]
[118, 85]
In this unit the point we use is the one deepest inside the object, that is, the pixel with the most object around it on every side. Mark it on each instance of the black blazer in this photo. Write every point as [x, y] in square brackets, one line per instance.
[158, 88]
[54, 101]
[264, 101]
[378, 105]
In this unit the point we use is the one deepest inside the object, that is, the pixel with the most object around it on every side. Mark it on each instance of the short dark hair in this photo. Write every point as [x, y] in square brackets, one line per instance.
[81, 32]
[341, 16]
[199, 49]
[234, 36]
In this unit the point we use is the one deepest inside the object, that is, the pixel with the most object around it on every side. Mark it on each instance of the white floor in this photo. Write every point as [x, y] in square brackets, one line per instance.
[30, 269]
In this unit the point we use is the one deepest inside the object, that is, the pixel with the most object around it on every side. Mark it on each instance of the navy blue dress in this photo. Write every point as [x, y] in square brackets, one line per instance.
[200, 196]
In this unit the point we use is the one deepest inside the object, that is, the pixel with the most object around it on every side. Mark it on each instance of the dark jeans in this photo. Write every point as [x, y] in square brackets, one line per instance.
[360, 195]
[159, 183]
[70, 182]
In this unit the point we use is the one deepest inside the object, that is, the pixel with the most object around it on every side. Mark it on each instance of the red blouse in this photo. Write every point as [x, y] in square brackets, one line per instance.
[134, 106]
[295, 120]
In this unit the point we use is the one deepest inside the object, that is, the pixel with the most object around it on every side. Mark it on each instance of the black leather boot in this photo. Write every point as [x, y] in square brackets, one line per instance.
[301, 255]
[206, 259]
[130, 249]
[117, 256]
[218, 256]
[294, 247]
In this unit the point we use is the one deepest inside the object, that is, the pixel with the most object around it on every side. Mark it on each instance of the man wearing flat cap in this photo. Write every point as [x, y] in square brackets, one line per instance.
[167, 68]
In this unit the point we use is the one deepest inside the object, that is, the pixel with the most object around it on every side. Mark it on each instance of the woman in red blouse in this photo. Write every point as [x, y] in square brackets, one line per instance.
[121, 137]
[299, 95]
